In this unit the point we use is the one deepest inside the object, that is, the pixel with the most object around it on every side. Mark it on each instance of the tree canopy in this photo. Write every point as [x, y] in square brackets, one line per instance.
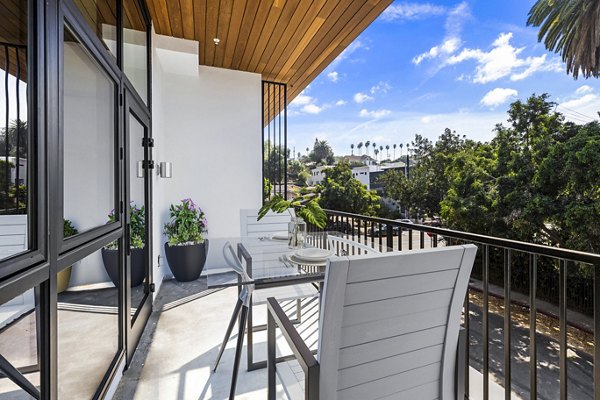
[341, 191]
[322, 153]
[536, 180]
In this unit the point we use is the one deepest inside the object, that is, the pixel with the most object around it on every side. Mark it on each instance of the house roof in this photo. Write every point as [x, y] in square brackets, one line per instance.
[288, 41]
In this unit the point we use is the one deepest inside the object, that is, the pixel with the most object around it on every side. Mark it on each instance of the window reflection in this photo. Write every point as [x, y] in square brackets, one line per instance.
[19, 342]
[14, 130]
[101, 16]
[89, 139]
[135, 47]
[88, 328]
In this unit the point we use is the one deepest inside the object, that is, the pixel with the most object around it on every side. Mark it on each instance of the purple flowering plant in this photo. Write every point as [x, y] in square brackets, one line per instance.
[187, 224]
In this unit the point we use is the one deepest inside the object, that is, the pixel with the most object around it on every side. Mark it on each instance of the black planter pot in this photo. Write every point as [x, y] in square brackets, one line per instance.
[187, 262]
[111, 264]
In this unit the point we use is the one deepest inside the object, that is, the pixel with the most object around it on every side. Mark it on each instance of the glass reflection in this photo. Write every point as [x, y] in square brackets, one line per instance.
[88, 328]
[89, 132]
[19, 347]
[101, 16]
[14, 130]
[137, 214]
[135, 47]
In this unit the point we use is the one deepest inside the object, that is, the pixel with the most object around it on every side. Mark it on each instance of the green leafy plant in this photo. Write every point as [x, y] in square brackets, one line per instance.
[137, 226]
[68, 229]
[187, 224]
[304, 207]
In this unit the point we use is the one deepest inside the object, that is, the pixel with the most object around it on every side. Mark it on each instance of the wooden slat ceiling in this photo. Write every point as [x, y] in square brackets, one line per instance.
[13, 31]
[288, 41]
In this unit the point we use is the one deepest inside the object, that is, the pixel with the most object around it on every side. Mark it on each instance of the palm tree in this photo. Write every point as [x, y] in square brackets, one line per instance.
[360, 145]
[352, 148]
[401, 145]
[571, 28]
[394, 151]
[376, 152]
[367, 144]
[387, 150]
[374, 145]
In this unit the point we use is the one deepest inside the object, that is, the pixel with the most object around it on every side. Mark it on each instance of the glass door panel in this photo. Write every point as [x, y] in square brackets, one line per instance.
[137, 215]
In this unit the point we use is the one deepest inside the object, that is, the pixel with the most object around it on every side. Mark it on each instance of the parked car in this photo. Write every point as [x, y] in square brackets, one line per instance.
[339, 226]
[405, 221]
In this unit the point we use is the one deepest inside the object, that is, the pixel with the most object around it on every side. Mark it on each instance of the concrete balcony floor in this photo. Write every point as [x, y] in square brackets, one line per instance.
[177, 351]
[179, 347]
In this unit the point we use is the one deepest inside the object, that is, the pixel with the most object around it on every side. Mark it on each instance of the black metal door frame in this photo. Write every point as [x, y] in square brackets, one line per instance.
[134, 106]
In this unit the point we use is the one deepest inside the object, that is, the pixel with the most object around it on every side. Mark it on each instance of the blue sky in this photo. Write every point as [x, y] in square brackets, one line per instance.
[424, 66]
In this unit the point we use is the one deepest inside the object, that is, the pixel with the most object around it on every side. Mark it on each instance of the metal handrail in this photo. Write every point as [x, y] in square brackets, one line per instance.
[533, 248]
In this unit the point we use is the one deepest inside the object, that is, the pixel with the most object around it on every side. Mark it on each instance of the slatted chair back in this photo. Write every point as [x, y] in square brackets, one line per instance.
[271, 223]
[390, 322]
[346, 247]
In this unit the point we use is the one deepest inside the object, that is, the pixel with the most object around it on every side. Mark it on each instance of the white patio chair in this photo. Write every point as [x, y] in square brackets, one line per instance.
[346, 247]
[388, 329]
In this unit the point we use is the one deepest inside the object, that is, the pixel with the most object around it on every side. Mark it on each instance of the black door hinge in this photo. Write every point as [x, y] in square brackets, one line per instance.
[152, 288]
[148, 164]
[121, 99]
[148, 142]
[120, 207]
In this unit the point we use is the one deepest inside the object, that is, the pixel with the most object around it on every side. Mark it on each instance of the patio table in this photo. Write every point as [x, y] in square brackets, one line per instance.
[261, 257]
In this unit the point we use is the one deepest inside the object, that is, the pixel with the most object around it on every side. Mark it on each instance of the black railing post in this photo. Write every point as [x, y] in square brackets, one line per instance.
[532, 326]
[486, 322]
[562, 305]
[597, 332]
[507, 335]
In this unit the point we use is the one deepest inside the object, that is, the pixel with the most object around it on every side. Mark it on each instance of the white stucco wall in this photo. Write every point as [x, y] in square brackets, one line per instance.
[206, 122]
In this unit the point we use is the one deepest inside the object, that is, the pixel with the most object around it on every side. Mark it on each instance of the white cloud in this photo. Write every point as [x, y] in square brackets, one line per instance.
[333, 76]
[301, 100]
[312, 109]
[582, 107]
[584, 100]
[503, 60]
[498, 96]
[382, 87]
[411, 11]
[305, 104]
[340, 103]
[375, 114]
[452, 41]
[362, 97]
[584, 89]
[429, 118]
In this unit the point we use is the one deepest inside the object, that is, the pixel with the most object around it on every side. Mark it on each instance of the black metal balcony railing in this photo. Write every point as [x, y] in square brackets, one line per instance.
[506, 269]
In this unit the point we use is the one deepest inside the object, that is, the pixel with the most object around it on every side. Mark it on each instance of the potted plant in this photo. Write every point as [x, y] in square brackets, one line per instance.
[302, 209]
[137, 232]
[186, 246]
[65, 275]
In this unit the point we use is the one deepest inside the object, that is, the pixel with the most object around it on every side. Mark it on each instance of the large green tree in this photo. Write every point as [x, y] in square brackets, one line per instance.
[341, 191]
[322, 153]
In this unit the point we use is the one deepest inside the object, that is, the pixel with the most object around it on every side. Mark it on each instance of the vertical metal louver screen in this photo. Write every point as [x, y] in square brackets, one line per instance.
[275, 153]
[13, 130]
